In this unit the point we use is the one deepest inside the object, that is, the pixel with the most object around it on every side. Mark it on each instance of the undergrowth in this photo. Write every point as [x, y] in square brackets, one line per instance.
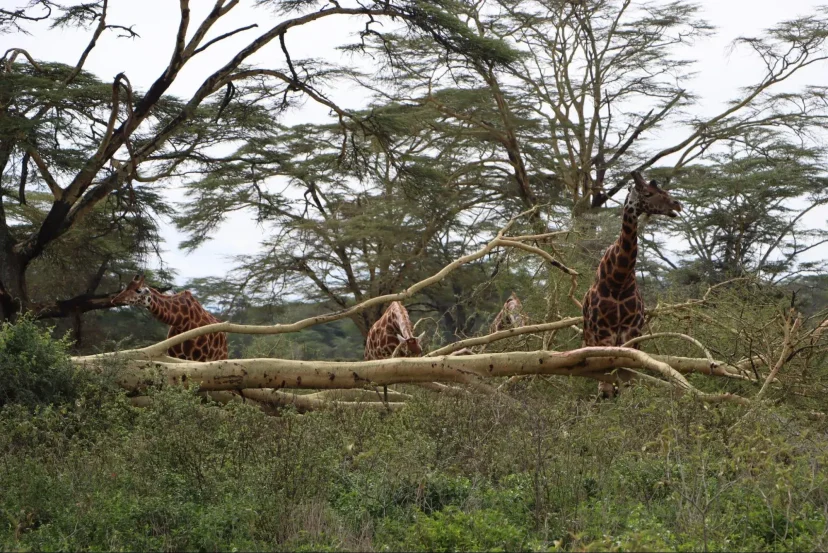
[81, 469]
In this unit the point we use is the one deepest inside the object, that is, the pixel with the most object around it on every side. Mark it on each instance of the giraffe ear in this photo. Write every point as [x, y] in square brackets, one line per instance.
[400, 337]
[421, 336]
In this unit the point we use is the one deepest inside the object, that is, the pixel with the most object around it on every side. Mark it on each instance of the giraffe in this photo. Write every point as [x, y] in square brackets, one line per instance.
[391, 331]
[510, 316]
[182, 312]
[392, 336]
[613, 307]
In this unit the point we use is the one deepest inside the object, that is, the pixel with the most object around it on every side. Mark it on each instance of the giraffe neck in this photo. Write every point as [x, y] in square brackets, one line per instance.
[163, 307]
[402, 324]
[619, 264]
[180, 310]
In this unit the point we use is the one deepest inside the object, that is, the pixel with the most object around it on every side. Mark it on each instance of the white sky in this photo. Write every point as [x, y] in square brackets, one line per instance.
[719, 76]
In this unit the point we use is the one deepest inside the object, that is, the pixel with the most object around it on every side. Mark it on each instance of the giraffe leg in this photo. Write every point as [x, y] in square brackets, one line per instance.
[606, 390]
[623, 379]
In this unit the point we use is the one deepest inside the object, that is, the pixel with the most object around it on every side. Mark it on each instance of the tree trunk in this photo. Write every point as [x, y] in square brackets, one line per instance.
[13, 296]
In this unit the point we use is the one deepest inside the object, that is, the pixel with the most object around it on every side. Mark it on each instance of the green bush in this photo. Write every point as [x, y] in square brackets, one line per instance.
[34, 368]
[646, 471]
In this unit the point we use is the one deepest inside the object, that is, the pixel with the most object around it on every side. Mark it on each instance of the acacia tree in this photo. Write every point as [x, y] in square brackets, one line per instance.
[606, 73]
[743, 213]
[352, 220]
[110, 141]
[594, 79]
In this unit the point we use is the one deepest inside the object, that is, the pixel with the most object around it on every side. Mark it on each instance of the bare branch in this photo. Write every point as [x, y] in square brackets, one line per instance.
[225, 35]
[54, 187]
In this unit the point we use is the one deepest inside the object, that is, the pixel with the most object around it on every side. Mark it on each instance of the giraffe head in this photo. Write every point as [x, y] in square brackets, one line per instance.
[135, 293]
[650, 199]
[411, 344]
[514, 311]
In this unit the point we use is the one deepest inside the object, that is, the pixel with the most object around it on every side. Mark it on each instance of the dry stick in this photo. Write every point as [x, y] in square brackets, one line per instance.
[529, 237]
[443, 389]
[309, 402]
[501, 335]
[161, 348]
[269, 399]
[235, 374]
[791, 332]
[629, 343]
[820, 330]
[356, 394]
[663, 309]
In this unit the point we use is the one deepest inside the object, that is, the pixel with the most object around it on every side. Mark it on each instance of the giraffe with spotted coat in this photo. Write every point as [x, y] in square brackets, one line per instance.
[613, 308]
[181, 312]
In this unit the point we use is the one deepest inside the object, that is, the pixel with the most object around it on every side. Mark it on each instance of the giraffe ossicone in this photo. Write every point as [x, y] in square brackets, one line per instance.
[613, 308]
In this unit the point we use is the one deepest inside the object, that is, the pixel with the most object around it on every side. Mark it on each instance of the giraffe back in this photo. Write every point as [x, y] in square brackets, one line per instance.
[384, 336]
[188, 314]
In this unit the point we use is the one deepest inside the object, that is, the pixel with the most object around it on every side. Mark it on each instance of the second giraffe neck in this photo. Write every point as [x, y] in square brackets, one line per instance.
[166, 308]
[402, 323]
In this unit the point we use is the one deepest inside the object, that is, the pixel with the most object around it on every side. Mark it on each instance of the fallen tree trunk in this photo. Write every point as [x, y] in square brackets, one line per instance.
[246, 374]
[269, 400]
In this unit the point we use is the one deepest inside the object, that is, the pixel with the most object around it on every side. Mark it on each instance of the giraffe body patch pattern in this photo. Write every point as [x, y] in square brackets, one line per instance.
[390, 330]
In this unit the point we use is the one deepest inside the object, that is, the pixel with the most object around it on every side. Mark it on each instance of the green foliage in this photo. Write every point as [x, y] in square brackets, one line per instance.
[743, 213]
[34, 369]
[454, 530]
[645, 472]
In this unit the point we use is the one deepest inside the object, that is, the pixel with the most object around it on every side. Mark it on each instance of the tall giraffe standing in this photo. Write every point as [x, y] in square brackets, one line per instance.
[613, 307]
[182, 312]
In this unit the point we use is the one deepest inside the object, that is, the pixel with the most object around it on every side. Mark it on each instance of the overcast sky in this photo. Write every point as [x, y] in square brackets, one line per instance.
[720, 74]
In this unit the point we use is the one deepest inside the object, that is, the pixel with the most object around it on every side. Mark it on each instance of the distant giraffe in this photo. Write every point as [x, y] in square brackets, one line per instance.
[510, 316]
[613, 308]
[391, 330]
[182, 312]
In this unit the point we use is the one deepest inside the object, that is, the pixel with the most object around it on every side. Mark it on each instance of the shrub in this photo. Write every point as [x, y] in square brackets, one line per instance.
[34, 368]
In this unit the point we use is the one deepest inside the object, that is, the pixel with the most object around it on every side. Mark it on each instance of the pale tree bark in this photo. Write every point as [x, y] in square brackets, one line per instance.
[245, 374]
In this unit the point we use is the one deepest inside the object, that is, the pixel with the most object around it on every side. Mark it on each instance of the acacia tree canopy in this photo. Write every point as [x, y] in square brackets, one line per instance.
[89, 142]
